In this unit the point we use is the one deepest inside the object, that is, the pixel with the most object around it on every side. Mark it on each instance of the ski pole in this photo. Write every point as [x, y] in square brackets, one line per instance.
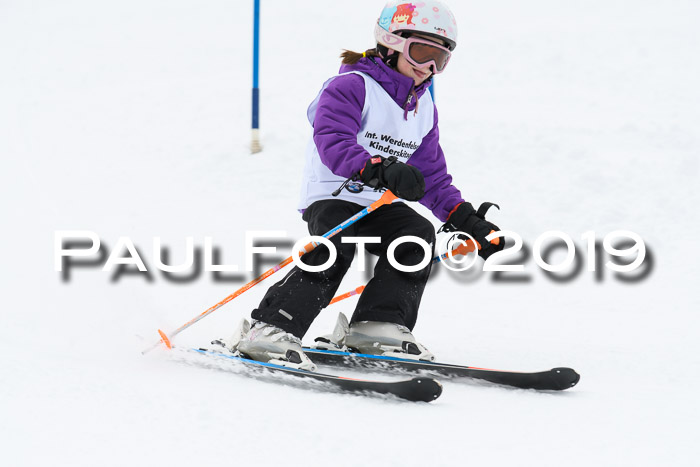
[386, 198]
[463, 249]
[356, 291]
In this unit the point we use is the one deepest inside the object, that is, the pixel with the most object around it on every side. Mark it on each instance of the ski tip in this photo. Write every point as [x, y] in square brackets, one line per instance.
[165, 339]
[426, 389]
[565, 378]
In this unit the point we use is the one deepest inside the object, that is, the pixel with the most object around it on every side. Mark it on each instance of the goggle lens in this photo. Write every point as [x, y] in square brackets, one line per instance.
[422, 53]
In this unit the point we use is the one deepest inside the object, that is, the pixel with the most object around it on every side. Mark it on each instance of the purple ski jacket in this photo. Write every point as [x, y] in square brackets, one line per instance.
[338, 120]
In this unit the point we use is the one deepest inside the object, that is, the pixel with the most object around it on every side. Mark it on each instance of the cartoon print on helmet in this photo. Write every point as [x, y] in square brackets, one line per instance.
[385, 18]
[402, 17]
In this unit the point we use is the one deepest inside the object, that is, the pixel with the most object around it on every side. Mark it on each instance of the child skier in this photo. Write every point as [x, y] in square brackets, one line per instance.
[373, 124]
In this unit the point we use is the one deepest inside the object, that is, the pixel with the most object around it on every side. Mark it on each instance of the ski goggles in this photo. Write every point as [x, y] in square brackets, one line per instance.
[419, 52]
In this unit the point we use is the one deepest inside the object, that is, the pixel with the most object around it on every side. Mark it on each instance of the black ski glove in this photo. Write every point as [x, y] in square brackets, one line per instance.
[402, 179]
[465, 218]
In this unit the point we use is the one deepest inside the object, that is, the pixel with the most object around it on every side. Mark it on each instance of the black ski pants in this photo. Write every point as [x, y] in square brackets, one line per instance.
[390, 296]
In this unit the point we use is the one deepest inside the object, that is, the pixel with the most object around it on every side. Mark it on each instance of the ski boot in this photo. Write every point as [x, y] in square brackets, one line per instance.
[374, 338]
[335, 340]
[231, 344]
[267, 343]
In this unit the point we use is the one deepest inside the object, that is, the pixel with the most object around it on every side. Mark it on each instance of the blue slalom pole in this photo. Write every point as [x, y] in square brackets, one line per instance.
[255, 140]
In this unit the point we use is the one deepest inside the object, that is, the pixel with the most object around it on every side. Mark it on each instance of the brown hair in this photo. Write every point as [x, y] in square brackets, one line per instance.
[350, 58]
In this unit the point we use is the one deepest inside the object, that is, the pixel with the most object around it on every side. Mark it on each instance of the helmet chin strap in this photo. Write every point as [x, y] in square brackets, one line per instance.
[388, 56]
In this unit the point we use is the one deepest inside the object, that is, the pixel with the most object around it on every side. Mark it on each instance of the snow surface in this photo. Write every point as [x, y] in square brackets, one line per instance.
[132, 118]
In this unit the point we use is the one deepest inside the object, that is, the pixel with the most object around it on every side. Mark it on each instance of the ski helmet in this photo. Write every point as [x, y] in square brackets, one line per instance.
[431, 18]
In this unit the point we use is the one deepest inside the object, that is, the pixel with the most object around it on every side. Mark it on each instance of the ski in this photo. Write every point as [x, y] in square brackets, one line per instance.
[556, 379]
[417, 389]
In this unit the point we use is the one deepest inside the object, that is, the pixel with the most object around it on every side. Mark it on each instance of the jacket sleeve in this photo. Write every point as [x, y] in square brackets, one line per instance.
[336, 124]
[440, 195]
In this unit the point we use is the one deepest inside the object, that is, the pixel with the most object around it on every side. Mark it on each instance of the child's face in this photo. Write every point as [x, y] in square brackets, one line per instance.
[417, 74]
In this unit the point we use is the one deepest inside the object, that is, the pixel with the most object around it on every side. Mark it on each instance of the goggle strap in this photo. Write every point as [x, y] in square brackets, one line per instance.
[389, 39]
